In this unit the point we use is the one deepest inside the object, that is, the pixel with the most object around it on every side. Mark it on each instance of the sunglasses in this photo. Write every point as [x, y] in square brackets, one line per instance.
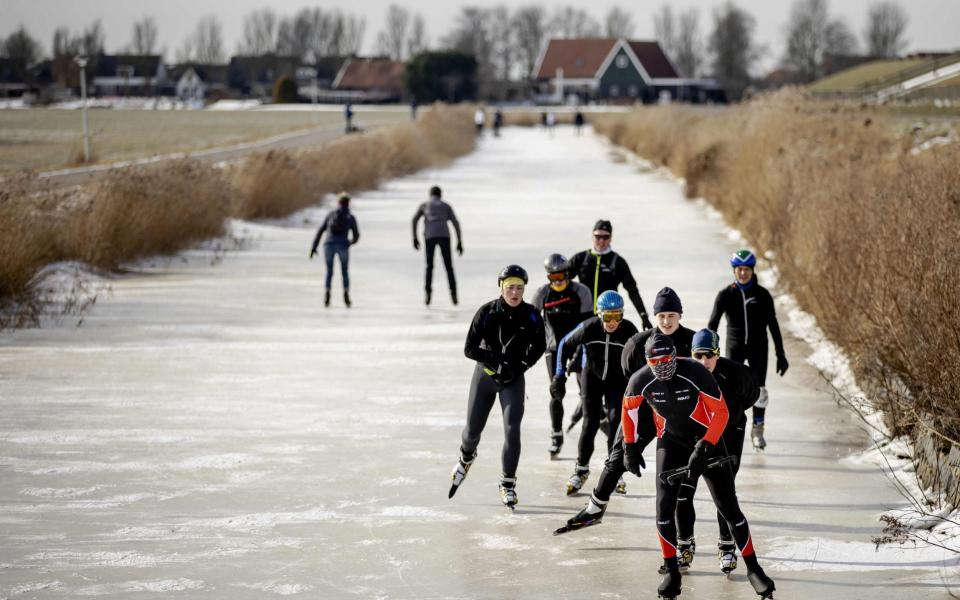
[611, 316]
[656, 361]
[557, 276]
[702, 355]
[605, 236]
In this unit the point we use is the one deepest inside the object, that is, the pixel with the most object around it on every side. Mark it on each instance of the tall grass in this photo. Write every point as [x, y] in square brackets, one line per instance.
[165, 207]
[863, 227]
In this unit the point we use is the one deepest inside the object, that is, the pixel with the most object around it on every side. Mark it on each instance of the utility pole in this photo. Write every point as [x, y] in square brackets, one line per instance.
[82, 62]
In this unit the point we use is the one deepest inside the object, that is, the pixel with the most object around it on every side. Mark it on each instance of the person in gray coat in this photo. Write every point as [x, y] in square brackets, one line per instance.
[436, 213]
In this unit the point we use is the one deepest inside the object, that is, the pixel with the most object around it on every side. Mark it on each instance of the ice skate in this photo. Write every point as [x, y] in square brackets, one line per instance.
[460, 473]
[508, 492]
[727, 555]
[556, 442]
[685, 551]
[576, 481]
[346, 298]
[453, 297]
[326, 298]
[670, 584]
[592, 514]
[621, 487]
[762, 584]
[756, 436]
[426, 298]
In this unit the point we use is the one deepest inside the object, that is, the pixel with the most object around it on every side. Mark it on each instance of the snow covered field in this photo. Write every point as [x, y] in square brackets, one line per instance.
[212, 431]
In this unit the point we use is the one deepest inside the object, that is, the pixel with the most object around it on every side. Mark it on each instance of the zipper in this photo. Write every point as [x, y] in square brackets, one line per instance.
[606, 357]
[746, 324]
[596, 284]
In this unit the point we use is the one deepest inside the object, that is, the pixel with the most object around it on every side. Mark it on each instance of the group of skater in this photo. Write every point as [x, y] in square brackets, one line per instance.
[659, 381]
[638, 382]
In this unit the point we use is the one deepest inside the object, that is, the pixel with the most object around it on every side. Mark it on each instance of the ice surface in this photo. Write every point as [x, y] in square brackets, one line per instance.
[212, 431]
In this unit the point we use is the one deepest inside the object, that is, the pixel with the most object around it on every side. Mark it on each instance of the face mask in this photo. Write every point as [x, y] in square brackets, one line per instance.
[663, 367]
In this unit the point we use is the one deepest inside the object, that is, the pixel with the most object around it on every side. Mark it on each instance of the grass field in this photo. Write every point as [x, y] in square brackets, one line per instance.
[44, 139]
[856, 77]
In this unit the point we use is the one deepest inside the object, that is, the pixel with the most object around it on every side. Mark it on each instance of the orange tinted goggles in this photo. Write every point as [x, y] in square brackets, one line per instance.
[557, 276]
[655, 361]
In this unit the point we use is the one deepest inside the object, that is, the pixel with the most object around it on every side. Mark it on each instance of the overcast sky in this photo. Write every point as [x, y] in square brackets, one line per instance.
[933, 23]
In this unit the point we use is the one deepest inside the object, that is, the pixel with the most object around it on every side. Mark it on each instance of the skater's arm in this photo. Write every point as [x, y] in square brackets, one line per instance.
[540, 296]
[633, 414]
[717, 312]
[567, 345]
[416, 219]
[717, 413]
[573, 271]
[355, 229]
[774, 326]
[586, 299]
[537, 345]
[749, 390]
[630, 359]
[471, 347]
[630, 285]
[456, 226]
[316, 238]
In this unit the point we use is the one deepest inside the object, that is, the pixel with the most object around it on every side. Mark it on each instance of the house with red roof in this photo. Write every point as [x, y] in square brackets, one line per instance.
[371, 80]
[617, 71]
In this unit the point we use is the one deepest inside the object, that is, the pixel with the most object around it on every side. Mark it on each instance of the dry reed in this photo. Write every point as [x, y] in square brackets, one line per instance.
[861, 225]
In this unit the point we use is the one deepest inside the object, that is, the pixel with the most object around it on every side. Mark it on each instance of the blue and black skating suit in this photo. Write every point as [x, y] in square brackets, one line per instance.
[602, 382]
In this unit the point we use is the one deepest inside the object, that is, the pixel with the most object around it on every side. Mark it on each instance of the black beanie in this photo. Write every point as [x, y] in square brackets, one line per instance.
[603, 225]
[667, 300]
[658, 344]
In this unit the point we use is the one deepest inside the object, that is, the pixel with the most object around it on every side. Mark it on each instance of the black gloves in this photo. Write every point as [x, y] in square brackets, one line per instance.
[633, 459]
[782, 365]
[698, 459]
[416, 244]
[558, 387]
[645, 321]
[313, 252]
[459, 248]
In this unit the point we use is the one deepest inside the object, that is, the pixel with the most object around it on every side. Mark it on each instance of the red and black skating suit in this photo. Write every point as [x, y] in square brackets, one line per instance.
[679, 412]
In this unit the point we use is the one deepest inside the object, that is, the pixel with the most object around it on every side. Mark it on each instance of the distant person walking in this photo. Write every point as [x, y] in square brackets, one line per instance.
[348, 117]
[578, 122]
[551, 122]
[497, 122]
[338, 224]
[436, 213]
[479, 119]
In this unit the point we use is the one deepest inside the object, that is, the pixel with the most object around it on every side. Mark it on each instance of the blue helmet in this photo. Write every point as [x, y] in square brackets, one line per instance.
[706, 340]
[743, 258]
[609, 300]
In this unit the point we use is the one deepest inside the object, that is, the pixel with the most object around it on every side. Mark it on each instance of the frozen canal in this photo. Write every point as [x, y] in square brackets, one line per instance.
[211, 431]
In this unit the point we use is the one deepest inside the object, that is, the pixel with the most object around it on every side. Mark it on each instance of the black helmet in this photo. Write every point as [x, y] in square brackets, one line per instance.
[555, 263]
[512, 271]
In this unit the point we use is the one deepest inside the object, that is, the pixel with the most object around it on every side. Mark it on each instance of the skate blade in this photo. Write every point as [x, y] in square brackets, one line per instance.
[568, 528]
[453, 490]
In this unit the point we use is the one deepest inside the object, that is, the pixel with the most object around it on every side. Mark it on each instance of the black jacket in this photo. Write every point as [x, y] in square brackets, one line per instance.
[603, 349]
[739, 388]
[686, 408]
[634, 358]
[501, 335]
[602, 272]
[341, 237]
[562, 311]
[750, 312]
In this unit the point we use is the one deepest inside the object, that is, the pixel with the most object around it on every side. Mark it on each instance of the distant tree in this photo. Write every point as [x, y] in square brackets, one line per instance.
[569, 22]
[259, 33]
[93, 39]
[732, 48]
[296, 35]
[665, 31]
[207, 41]
[530, 25]
[449, 76]
[472, 35]
[417, 38]
[503, 37]
[811, 33]
[285, 91]
[66, 46]
[144, 39]
[20, 46]
[618, 23]
[688, 45]
[886, 24]
[392, 40]
[351, 39]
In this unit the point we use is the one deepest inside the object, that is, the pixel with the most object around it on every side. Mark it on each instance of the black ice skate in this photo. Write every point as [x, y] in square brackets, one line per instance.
[592, 514]
[727, 555]
[556, 442]
[762, 584]
[670, 584]
[508, 492]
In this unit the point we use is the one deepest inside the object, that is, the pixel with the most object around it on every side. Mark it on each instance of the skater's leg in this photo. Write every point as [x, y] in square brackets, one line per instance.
[556, 405]
[613, 396]
[757, 362]
[343, 253]
[511, 404]
[670, 455]
[328, 253]
[686, 514]
[431, 246]
[733, 439]
[612, 469]
[592, 400]
[482, 395]
[723, 490]
[448, 264]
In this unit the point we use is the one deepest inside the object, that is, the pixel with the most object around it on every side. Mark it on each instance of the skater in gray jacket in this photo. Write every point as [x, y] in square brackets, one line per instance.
[436, 213]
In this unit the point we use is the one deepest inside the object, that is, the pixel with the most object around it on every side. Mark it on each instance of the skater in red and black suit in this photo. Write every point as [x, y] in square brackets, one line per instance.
[677, 401]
